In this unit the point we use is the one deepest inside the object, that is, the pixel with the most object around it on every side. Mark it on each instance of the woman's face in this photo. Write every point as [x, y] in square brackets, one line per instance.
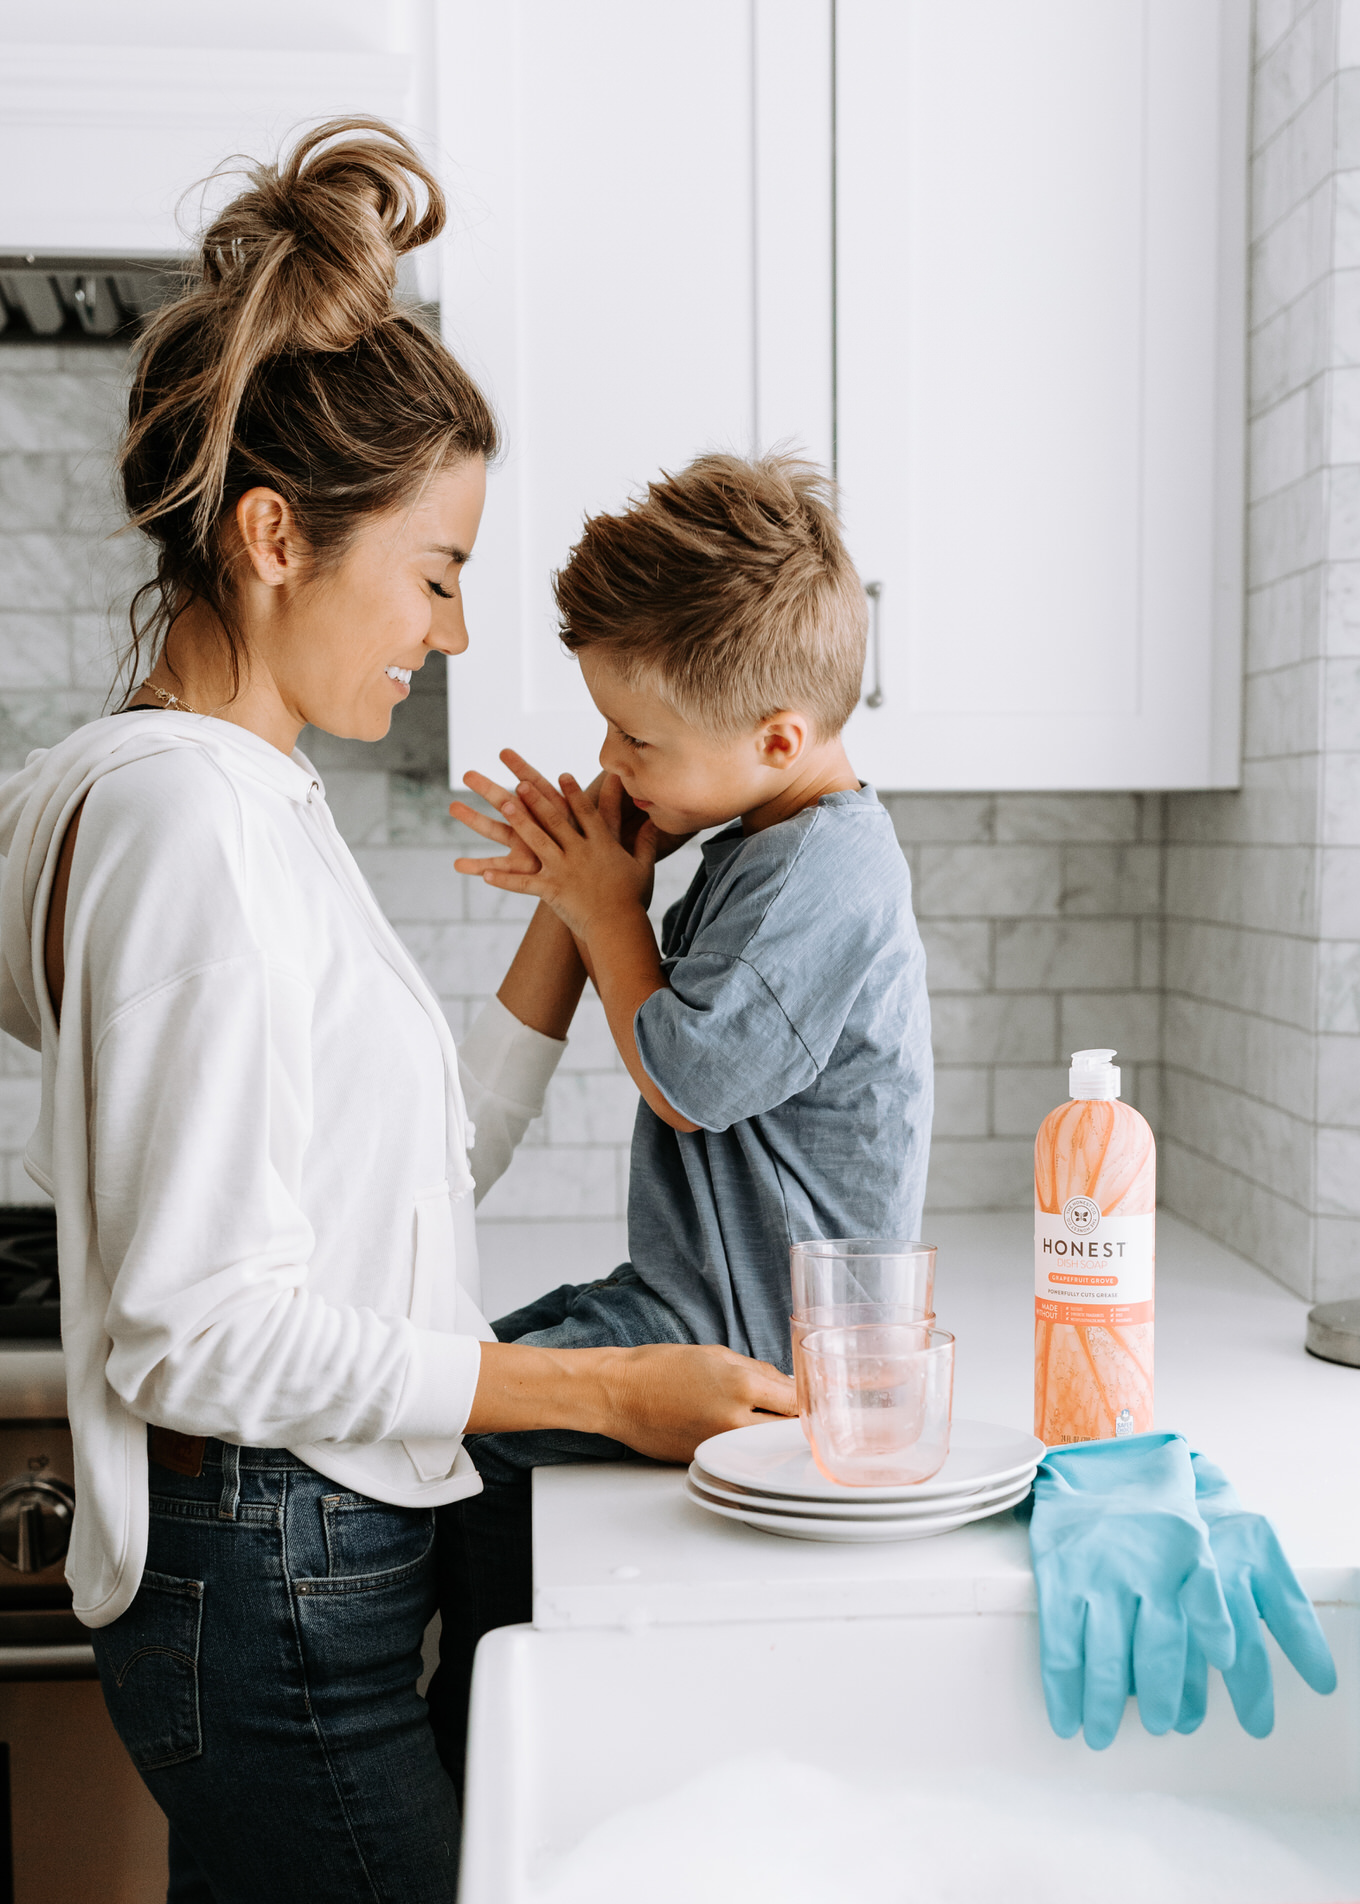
[340, 650]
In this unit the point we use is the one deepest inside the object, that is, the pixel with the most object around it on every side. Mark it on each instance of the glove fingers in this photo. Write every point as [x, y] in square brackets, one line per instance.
[1108, 1647]
[1159, 1637]
[1288, 1612]
[1195, 1697]
[1206, 1610]
[1062, 1625]
[1249, 1682]
[1062, 1696]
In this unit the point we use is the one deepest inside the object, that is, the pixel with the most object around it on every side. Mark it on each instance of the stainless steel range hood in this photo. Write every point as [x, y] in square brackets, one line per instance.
[45, 297]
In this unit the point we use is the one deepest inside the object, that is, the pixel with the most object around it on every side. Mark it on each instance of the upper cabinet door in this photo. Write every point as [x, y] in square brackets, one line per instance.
[640, 270]
[1040, 260]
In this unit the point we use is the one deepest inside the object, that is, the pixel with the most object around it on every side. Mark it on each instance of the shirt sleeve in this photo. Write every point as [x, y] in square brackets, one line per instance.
[755, 1005]
[719, 1044]
[505, 1068]
[213, 1324]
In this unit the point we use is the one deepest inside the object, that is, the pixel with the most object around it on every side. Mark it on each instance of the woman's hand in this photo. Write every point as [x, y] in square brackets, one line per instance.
[661, 1400]
[667, 1398]
[583, 870]
[519, 859]
[606, 791]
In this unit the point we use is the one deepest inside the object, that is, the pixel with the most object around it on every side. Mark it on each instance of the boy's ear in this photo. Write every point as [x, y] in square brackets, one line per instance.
[782, 739]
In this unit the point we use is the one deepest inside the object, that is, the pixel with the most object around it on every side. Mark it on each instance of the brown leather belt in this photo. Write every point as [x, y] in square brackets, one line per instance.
[182, 1454]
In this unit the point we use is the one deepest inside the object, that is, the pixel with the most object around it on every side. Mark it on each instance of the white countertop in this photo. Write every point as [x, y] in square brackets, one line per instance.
[617, 1545]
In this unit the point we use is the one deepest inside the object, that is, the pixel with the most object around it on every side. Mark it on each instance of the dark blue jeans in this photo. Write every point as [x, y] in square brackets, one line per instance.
[264, 1683]
[485, 1544]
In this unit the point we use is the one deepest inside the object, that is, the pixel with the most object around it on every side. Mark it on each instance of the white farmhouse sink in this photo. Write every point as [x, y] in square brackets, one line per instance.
[570, 1727]
[666, 1642]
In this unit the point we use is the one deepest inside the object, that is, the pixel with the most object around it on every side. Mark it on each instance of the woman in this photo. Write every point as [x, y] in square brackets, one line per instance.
[252, 1123]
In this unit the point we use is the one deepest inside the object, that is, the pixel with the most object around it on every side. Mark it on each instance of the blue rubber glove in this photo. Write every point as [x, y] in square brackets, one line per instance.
[1125, 1575]
[1260, 1585]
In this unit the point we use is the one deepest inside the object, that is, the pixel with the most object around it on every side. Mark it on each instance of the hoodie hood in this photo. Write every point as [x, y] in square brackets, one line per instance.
[38, 804]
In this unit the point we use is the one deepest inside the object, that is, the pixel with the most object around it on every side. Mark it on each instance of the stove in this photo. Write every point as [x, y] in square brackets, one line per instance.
[40, 1637]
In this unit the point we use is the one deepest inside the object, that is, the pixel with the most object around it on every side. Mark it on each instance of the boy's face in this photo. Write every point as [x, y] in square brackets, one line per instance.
[683, 778]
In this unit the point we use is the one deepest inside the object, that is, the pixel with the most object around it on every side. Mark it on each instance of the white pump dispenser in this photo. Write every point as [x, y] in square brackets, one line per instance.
[1093, 1075]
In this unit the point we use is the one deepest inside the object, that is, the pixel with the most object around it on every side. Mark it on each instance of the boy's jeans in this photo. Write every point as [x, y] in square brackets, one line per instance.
[484, 1545]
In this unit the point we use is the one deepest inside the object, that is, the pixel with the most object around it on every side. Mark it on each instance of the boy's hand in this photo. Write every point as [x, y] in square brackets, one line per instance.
[579, 864]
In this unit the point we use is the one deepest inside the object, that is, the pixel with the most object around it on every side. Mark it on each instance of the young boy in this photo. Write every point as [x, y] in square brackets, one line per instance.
[780, 1034]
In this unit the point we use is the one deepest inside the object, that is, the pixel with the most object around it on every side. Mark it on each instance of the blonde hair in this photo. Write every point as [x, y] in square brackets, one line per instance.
[728, 589]
[288, 364]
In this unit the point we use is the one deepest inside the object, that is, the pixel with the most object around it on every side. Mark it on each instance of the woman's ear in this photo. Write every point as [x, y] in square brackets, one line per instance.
[781, 739]
[269, 537]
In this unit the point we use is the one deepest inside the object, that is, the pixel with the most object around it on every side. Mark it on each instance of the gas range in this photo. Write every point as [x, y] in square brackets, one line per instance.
[40, 1637]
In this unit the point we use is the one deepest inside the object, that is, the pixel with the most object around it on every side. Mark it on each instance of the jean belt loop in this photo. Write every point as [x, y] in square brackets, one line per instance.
[231, 1482]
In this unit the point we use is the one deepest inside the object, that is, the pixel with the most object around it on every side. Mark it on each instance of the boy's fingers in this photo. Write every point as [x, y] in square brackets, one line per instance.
[583, 809]
[540, 843]
[549, 808]
[645, 845]
[611, 804]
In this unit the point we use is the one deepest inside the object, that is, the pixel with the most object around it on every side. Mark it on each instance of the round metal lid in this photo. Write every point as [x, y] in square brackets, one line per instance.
[1334, 1331]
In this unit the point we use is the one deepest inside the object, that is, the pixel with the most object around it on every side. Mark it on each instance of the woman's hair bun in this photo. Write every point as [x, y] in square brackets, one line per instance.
[311, 249]
[301, 266]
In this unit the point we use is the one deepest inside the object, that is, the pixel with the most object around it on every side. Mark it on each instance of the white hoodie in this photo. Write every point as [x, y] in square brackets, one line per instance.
[252, 1127]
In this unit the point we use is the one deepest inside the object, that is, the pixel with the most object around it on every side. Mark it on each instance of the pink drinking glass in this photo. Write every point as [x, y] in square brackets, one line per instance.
[879, 1398]
[842, 1281]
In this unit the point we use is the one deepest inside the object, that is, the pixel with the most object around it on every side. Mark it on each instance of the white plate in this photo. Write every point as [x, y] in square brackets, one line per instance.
[853, 1510]
[773, 1458]
[809, 1527]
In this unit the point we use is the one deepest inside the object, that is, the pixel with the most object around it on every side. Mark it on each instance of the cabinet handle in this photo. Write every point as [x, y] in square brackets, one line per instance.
[874, 590]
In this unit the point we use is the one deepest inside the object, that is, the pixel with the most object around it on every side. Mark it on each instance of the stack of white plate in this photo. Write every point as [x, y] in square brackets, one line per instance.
[764, 1475]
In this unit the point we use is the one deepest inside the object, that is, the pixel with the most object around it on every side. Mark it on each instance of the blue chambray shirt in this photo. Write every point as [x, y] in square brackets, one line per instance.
[796, 1033]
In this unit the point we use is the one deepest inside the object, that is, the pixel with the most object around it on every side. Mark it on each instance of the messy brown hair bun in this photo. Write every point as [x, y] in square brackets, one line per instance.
[288, 364]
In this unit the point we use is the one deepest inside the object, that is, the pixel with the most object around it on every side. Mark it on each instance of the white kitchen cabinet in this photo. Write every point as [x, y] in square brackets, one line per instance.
[640, 270]
[1040, 266]
[1036, 408]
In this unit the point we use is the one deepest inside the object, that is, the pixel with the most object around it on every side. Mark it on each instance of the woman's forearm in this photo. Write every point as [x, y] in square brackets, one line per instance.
[522, 1387]
[546, 978]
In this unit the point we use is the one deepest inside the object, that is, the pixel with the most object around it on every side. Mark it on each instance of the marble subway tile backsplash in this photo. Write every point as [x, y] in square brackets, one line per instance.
[1038, 913]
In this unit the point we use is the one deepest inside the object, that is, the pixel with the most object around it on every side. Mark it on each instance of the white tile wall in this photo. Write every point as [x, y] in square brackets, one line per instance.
[1261, 1028]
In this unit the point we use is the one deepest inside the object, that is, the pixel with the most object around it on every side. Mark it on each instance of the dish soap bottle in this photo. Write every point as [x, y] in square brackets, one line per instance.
[1095, 1193]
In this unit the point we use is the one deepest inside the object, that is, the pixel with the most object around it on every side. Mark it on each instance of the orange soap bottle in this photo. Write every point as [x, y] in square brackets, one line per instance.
[1095, 1195]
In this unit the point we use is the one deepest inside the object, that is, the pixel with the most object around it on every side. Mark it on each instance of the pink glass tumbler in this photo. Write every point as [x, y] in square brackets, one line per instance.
[839, 1282]
[879, 1398]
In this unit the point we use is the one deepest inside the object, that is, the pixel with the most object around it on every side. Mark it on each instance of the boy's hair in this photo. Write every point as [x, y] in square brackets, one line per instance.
[728, 589]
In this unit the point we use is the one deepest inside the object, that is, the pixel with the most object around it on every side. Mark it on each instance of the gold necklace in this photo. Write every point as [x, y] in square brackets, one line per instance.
[166, 698]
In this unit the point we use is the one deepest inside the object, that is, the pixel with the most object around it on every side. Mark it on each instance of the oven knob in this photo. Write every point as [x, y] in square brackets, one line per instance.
[35, 1523]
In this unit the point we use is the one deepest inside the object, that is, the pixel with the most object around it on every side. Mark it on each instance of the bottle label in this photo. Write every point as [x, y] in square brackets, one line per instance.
[1093, 1268]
